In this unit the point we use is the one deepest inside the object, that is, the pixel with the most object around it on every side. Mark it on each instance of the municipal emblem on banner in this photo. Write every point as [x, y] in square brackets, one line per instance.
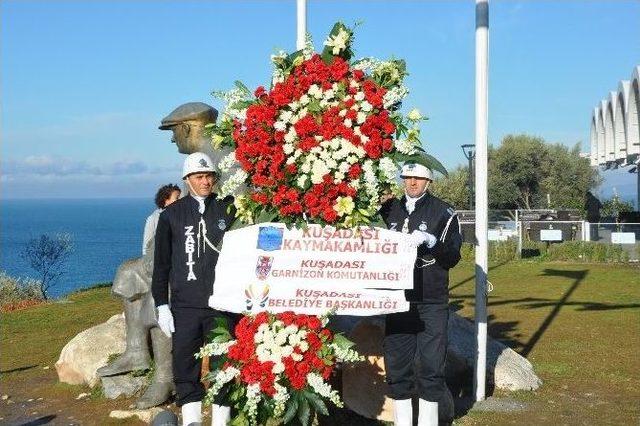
[256, 294]
[263, 267]
[270, 238]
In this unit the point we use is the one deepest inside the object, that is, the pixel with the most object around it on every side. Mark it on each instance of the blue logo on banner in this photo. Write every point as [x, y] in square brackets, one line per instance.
[270, 238]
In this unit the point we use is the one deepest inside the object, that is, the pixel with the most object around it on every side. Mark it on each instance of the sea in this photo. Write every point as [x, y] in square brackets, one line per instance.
[105, 232]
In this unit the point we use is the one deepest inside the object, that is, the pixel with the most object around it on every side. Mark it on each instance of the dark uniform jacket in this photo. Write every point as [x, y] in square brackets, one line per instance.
[431, 271]
[184, 254]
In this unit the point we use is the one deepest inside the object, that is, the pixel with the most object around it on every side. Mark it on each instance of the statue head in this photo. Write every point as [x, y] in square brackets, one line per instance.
[187, 122]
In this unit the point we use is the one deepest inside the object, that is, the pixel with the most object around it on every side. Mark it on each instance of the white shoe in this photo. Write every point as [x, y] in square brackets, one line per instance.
[402, 412]
[220, 415]
[192, 413]
[428, 413]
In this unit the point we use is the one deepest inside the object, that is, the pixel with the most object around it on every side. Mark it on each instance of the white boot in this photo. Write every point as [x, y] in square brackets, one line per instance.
[402, 412]
[428, 413]
[220, 415]
[192, 413]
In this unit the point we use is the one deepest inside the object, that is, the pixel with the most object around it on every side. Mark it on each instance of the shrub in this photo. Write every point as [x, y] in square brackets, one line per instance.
[18, 292]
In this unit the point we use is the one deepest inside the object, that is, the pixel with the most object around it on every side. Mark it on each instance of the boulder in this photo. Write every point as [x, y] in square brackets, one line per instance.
[145, 415]
[125, 385]
[364, 388]
[506, 369]
[90, 350]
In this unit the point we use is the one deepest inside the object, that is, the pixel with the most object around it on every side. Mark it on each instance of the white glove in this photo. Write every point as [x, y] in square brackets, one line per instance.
[165, 320]
[421, 237]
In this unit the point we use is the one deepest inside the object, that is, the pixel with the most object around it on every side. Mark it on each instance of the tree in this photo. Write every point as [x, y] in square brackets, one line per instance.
[614, 206]
[454, 189]
[48, 256]
[524, 169]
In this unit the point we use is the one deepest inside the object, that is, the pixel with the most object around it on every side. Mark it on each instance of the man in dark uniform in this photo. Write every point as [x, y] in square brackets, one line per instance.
[420, 335]
[185, 255]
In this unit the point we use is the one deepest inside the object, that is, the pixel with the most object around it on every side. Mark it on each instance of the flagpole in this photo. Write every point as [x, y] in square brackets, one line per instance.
[301, 20]
[481, 213]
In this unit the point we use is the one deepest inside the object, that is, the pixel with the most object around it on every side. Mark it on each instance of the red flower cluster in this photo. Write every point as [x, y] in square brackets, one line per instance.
[242, 354]
[260, 146]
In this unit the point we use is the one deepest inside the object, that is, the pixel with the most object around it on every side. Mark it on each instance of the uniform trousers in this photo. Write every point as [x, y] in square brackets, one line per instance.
[192, 327]
[415, 350]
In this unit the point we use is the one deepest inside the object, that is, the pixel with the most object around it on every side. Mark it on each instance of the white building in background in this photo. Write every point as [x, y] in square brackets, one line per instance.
[615, 130]
[615, 134]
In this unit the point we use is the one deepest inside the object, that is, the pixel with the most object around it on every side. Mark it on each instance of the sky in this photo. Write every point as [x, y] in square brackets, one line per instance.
[85, 84]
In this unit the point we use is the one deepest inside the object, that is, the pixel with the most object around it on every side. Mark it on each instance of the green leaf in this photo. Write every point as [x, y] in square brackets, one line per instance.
[342, 342]
[242, 87]
[266, 216]
[292, 409]
[317, 403]
[239, 420]
[304, 411]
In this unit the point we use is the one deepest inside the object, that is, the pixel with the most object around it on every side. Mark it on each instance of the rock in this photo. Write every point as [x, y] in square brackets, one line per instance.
[82, 395]
[364, 388]
[144, 415]
[125, 385]
[5, 397]
[505, 368]
[90, 350]
[46, 367]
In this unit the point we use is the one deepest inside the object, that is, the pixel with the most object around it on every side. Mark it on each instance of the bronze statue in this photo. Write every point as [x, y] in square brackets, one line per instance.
[132, 282]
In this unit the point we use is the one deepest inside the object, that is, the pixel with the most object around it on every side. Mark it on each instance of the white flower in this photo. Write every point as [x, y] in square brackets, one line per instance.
[302, 180]
[304, 346]
[287, 148]
[279, 125]
[315, 91]
[342, 113]
[285, 116]
[233, 183]
[278, 368]
[346, 355]
[253, 399]
[294, 106]
[348, 122]
[361, 117]
[414, 115]
[394, 96]
[323, 389]
[318, 171]
[337, 42]
[227, 162]
[338, 177]
[328, 94]
[280, 398]
[291, 135]
[366, 106]
[359, 96]
[296, 357]
[388, 168]
[405, 146]
[304, 99]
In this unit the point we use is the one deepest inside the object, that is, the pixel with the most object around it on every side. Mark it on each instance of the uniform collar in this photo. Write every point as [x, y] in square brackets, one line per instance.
[421, 201]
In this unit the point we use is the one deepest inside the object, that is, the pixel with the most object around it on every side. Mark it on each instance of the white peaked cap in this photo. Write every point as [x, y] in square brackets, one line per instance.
[416, 170]
[198, 162]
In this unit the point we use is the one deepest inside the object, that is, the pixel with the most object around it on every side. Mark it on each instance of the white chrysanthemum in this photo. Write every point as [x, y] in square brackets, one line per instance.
[318, 170]
[280, 125]
[287, 148]
[366, 106]
[359, 96]
[361, 117]
[302, 181]
[304, 346]
[348, 122]
[296, 357]
[315, 91]
[304, 99]
[323, 389]
[291, 135]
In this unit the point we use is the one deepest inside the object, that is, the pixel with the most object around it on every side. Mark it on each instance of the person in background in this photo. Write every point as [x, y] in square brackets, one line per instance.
[166, 195]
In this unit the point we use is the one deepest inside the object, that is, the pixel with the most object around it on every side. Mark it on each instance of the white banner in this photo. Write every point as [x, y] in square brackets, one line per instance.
[270, 267]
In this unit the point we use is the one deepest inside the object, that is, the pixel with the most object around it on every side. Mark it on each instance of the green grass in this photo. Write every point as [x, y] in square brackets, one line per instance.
[579, 324]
